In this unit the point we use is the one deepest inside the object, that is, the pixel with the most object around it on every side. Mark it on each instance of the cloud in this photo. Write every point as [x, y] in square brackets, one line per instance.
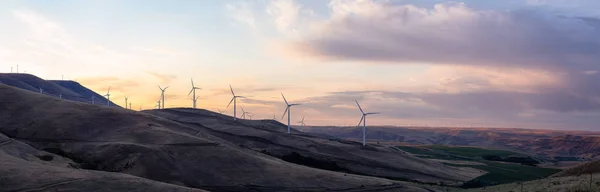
[242, 12]
[163, 78]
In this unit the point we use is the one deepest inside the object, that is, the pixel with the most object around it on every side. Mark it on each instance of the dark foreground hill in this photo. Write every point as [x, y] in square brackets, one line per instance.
[70, 90]
[112, 147]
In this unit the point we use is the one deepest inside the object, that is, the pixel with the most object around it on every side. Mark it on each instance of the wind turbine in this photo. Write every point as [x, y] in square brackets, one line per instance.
[250, 115]
[60, 95]
[219, 111]
[93, 97]
[130, 106]
[244, 113]
[288, 110]
[363, 120]
[158, 106]
[126, 98]
[302, 122]
[41, 90]
[194, 98]
[162, 95]
[108, 97]
[234, 100]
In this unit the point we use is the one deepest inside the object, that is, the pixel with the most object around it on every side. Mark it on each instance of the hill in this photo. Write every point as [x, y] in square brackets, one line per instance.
[99, 140]
[582, 169]
[70, 90]
[552, 145]
[270, 137]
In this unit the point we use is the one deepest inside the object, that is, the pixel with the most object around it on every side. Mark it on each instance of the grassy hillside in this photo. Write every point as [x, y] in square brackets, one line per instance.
[498, 172]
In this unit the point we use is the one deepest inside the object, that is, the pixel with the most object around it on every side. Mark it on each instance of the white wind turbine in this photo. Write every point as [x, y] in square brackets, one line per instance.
[60, 95]
[194, 98]
[130, 106]
[41, 90]
[234, 100]
[108, 97]
[158, 105]
[302, 122]
[288, 110]
[93, 98]
[363, 120]
[250, 115]
[162, 95]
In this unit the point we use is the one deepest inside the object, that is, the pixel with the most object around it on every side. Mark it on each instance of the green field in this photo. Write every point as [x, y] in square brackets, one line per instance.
[498, 172]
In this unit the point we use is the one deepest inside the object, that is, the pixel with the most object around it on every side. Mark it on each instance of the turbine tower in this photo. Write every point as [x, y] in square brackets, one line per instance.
[363, 120]
[302, 122]
[162, 95]
[126, 98]
[194, 98]
[234, 100]
[130, 106]
[60, 95]
[288, 110]
[41, 90]
[108, 97]
[93, 97]
[158, 105]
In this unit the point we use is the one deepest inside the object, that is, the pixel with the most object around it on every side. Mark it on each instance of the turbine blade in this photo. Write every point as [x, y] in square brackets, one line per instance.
[361, 120]
[231, 90]
[192, 81]
[284, 99]
[160, 87]
[230, 102]
[302, 119]
[197, 97]
[190, 91]
[166, 87]
[243, 110]
[374, 113]
[108, 90]
[359, 107]
[286, 110]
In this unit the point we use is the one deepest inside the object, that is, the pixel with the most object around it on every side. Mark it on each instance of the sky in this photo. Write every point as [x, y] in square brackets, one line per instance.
[510, 63]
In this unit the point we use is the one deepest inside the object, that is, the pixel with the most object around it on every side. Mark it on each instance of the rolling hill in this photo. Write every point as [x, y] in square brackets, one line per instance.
[94, 145]
[70, 90]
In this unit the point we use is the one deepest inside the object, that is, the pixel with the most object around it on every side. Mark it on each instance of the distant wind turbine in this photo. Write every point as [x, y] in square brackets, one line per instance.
[108, 97]
[234, 100]
[194, 98]
[162, 95]
[288, 110]
[302, 122]
[130, 106]
[363, 120]
[60, 95]
[93, 98]
[158, 106]
[219, 111]
[244, 113]
[250, 115]
[126, 98]
[41, 90]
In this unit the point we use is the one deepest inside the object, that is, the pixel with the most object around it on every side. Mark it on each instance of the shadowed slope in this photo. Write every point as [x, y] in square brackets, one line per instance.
[118, 140]
[24, 168]
[270, 137]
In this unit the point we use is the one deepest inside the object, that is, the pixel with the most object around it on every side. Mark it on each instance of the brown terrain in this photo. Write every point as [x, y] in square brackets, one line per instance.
[553, 145]
[49, 144]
